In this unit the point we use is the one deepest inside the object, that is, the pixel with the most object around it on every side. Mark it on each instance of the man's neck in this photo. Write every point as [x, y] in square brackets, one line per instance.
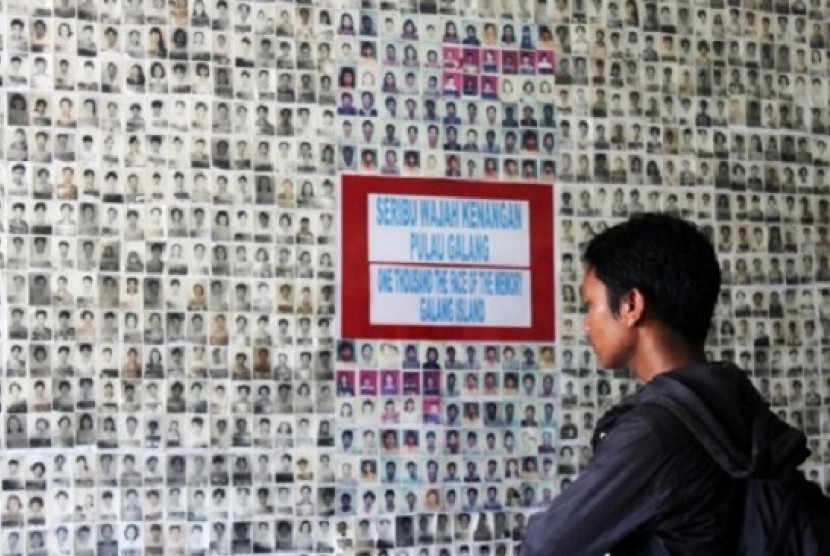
[661, 352]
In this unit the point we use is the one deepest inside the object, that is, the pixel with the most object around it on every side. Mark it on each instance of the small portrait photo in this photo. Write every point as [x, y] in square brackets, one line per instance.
[451, 84]
[345, 352]
[368, 382]
[388, 355]
[452, 57]
[470, 85]
[367, 357]
[390, 382]
[411, 382]
[345, 383]
[431, 383]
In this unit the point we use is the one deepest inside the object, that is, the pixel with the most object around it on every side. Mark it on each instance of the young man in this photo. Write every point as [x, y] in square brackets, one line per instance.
[663, 478]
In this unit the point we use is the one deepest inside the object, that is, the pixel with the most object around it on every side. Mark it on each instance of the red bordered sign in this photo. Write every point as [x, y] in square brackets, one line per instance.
[518, 301]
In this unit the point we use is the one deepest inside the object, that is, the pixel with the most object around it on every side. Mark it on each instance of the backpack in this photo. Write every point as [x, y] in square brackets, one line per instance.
[783, 515]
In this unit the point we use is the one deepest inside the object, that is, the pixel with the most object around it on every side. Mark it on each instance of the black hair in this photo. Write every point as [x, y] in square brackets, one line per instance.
[670, 261]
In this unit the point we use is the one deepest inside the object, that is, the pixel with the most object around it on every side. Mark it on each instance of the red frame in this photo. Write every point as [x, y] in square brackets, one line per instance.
[354, 258]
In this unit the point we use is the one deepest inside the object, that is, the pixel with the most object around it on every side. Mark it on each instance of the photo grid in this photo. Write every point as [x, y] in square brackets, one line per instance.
[450, 445]
[168, 281]
[716, 112]
[425, 94]
[172, 377]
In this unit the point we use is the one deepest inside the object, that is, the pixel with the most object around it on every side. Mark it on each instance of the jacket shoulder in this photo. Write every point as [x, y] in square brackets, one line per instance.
[659, 421]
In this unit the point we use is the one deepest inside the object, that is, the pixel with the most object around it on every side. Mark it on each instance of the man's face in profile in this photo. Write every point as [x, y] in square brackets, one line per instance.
[610, 335]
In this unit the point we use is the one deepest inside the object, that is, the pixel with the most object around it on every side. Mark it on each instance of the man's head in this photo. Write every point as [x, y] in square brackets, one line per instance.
[651, 282]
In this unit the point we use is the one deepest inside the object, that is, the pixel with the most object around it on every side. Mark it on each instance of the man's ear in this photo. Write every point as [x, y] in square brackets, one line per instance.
[632, 307]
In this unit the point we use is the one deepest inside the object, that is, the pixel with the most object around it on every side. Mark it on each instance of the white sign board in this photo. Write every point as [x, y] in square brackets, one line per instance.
[447, 261]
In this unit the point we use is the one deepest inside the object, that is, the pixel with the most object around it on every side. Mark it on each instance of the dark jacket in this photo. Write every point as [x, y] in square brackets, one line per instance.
[663, 477]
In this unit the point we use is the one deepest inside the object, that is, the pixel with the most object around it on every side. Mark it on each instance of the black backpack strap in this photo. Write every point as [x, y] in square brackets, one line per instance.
[777, 543]
[665, 423]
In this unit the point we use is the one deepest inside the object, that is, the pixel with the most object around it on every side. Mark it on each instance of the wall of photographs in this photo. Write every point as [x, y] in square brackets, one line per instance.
[172, 377]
